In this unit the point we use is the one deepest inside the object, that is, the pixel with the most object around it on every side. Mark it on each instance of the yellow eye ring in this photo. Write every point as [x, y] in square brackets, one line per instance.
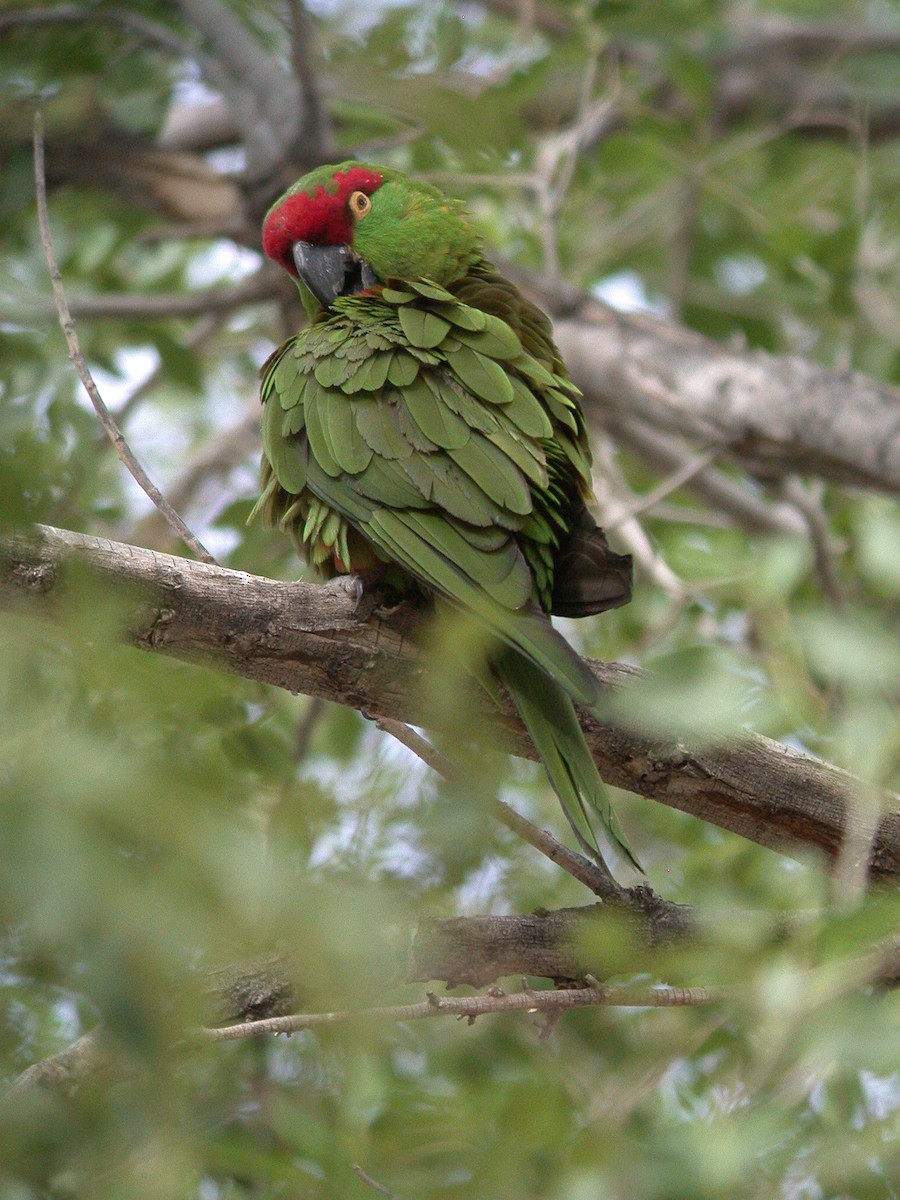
[359, 204]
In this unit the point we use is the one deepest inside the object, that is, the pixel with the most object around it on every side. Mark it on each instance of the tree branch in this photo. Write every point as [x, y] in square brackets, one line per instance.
[123, 450]
[775, 414]
[66, 1071]
[586, 871]
[477, 1006]
[244, 998]
[314, 134]
[132, 307]
[315, 640]
[262, 98]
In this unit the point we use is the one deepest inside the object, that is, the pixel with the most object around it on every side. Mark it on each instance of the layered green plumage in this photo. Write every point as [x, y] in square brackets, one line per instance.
[433, 428]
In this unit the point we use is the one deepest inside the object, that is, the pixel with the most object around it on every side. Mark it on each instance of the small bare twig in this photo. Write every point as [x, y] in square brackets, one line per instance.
[559, 152]
[720, 491]
[123, 450]
[665, 488]
[808, 502]
[470, 1007]
[373, 1183]
[213, 461]
[205, 329]
[576, 865]
[615, 500]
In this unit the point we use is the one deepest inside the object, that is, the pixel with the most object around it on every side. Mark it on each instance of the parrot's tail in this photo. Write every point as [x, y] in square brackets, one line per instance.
[549, 716]
[589, 577]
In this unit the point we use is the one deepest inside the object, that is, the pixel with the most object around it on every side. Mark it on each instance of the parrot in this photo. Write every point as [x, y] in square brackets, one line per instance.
[422, 428]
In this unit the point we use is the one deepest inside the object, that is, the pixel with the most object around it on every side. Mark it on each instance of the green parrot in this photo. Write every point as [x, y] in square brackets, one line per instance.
[422, 427]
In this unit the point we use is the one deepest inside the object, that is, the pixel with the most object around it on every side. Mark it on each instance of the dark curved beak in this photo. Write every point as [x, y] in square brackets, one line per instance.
[323, 269]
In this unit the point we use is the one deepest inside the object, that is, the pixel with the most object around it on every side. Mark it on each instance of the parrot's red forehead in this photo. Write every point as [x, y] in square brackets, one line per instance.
[321, 216]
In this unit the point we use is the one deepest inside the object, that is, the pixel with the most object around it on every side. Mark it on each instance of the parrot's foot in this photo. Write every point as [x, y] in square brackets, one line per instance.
[354, 585]
[370, 591]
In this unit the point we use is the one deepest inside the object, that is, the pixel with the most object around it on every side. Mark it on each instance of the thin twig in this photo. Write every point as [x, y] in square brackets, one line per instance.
[87, 465]
[261, 286]
[614, 500]
[215, 460]
[723, 493]
[123, 450]
[808, 502]
[205, 329]
[665, 488]
[471, 1007]
[577, 865]
[373, 1183]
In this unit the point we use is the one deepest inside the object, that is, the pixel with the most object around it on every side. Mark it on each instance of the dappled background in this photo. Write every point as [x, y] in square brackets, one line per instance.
[655, 174]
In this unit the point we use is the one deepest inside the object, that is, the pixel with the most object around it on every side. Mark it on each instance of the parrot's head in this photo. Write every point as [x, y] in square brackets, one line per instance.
[343, 229]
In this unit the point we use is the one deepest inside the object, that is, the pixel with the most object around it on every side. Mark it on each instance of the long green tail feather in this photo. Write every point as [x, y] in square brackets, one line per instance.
[550, 717]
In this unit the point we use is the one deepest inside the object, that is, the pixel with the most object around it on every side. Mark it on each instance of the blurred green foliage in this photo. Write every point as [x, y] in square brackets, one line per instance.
[158, 819]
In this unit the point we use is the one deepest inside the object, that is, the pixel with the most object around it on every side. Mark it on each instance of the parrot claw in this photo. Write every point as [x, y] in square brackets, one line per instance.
[354, 586]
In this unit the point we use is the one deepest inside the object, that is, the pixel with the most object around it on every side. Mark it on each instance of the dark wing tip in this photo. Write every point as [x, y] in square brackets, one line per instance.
[589, 577]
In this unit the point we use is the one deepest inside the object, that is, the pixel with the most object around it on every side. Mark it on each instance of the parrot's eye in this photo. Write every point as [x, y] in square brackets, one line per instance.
[359, 204]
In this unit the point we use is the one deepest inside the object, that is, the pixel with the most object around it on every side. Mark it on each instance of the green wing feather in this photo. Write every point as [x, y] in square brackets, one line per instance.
[441, 427]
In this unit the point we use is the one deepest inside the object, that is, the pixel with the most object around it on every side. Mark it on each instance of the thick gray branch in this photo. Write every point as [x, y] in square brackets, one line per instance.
[776, 414]
[312, 639]
[64, 1072]
[262, 98]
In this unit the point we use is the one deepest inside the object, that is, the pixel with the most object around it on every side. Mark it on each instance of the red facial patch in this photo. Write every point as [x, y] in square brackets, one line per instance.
[322, 218]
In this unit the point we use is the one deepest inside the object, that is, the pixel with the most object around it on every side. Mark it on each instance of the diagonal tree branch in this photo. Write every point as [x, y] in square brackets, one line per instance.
[590, 873]
[775, 414]
[111, 428]
[316, 640]
[314, 138]
[263, 101]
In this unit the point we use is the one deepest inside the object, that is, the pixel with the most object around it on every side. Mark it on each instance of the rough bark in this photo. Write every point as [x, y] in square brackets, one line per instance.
[559, 945]
[316, 640]
[775, 414]
[64, 1072]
